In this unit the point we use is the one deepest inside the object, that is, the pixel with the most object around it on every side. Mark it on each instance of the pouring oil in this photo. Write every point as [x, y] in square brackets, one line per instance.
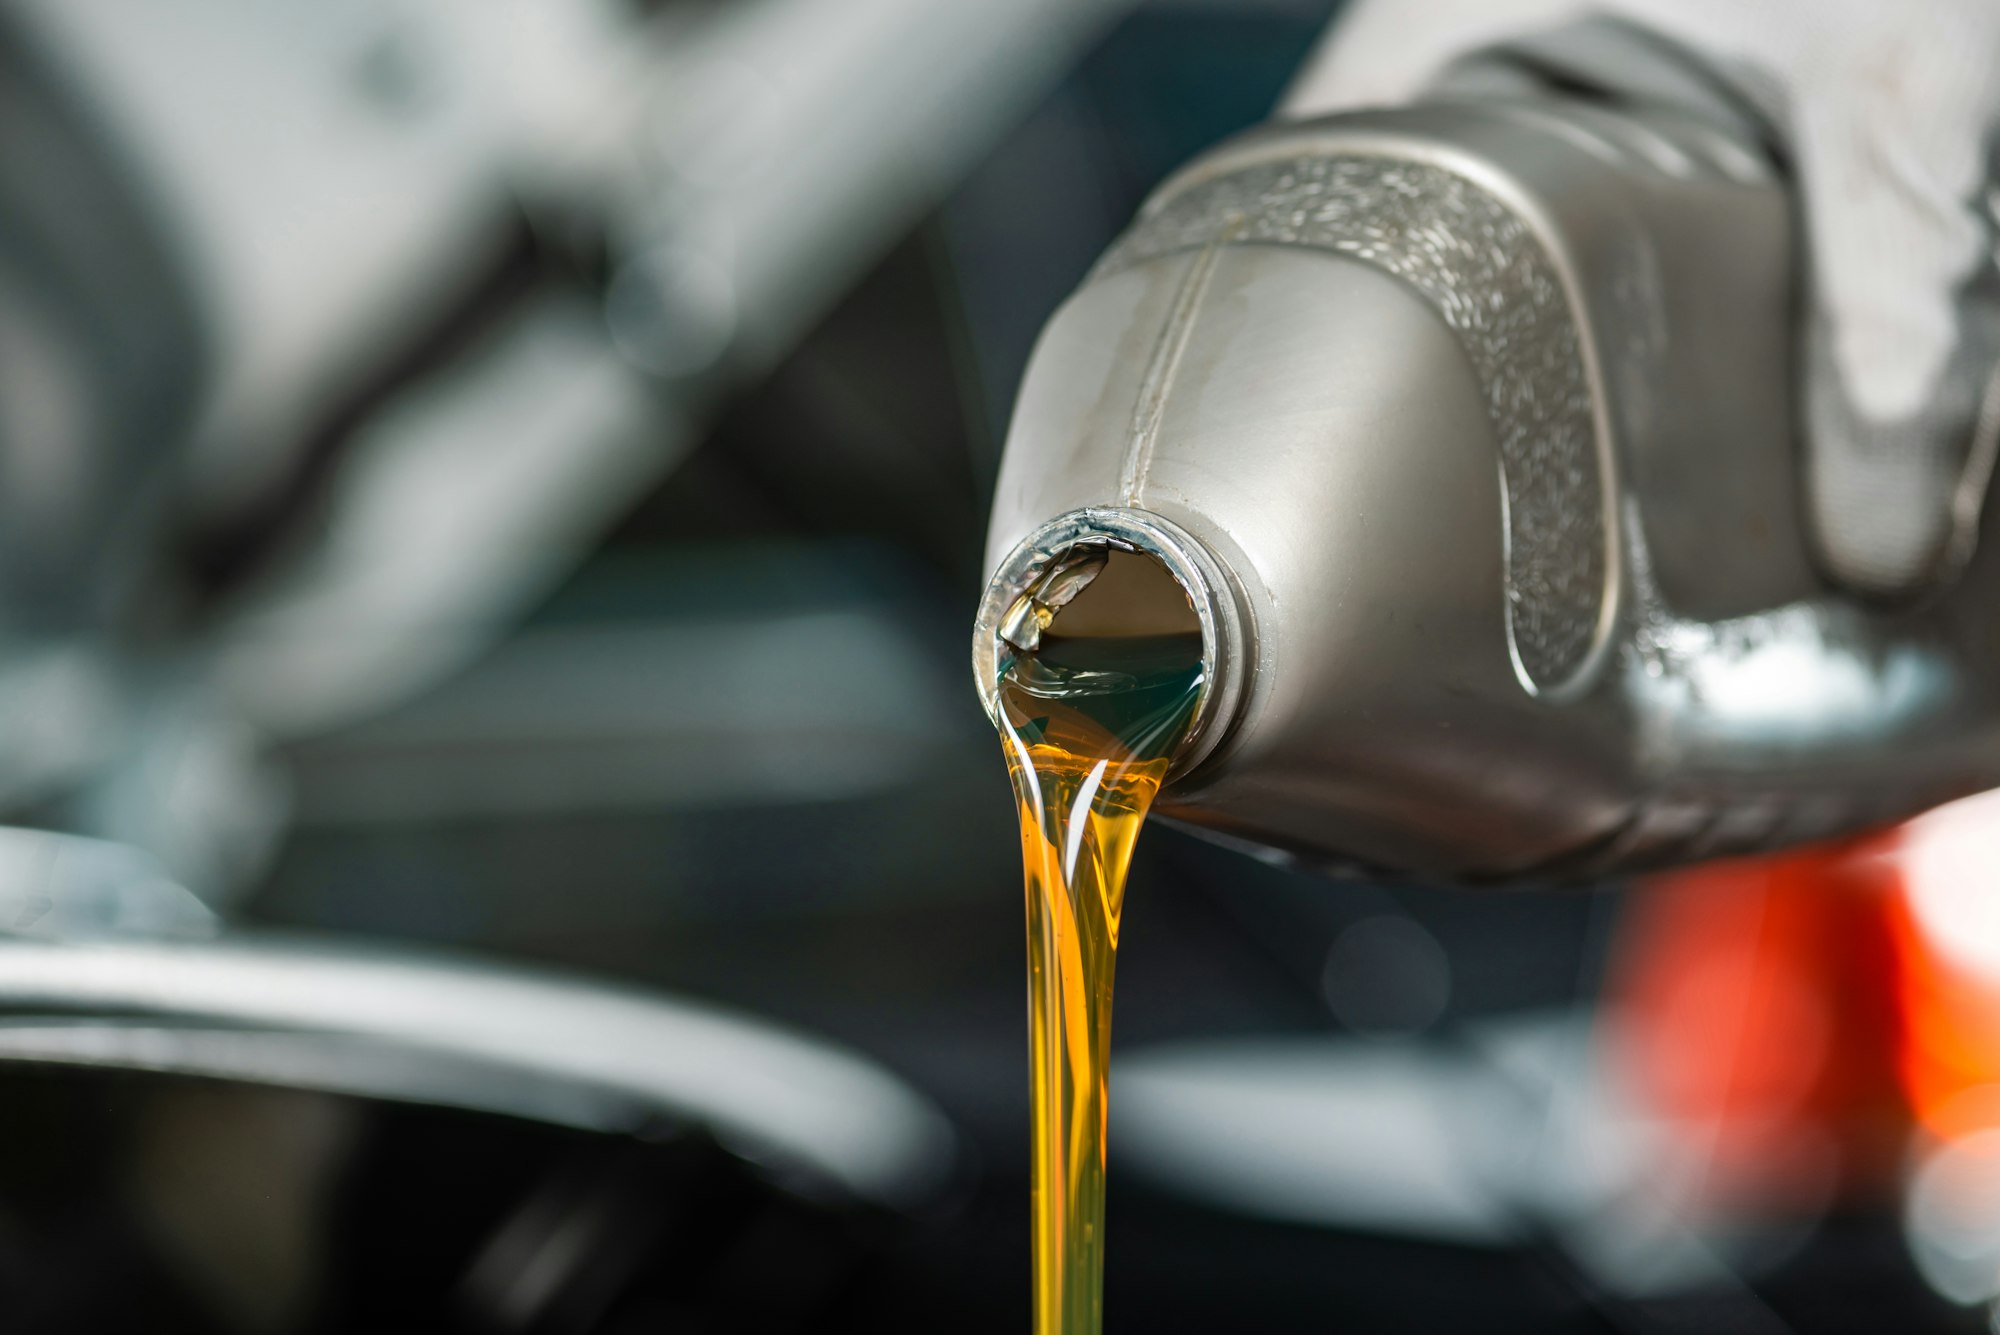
[1099, 681]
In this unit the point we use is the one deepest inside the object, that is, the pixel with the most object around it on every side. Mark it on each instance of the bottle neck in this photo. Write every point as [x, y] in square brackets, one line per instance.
[1055, 562]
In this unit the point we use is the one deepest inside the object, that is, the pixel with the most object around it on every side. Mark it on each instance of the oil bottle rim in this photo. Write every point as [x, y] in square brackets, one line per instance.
[1193, 566]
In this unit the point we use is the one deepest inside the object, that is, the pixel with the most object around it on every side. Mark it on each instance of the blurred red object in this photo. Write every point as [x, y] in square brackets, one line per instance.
[1786, 1013]
[1754, 1007]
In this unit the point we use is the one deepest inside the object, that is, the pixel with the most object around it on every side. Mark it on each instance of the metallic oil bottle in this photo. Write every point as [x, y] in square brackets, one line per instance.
[1469, 429]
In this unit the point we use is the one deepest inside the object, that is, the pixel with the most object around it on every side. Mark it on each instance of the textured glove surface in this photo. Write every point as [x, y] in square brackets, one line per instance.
[1888, 114]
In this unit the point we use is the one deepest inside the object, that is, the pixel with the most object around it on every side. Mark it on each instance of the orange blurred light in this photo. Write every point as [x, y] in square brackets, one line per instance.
[1946, 923]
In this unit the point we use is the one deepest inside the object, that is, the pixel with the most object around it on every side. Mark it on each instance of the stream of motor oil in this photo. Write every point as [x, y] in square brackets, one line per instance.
[1090, 724]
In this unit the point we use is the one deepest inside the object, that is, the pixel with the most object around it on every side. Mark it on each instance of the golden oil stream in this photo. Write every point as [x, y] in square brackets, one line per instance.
[1090, 724]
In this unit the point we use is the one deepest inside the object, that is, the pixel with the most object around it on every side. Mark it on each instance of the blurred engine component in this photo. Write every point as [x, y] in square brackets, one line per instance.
[330, 338]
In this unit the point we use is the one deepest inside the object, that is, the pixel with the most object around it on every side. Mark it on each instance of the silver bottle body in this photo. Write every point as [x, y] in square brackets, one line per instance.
[1478, 421]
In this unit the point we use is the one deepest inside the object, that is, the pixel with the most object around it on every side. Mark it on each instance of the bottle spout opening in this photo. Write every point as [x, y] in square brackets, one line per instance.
[1046, 574]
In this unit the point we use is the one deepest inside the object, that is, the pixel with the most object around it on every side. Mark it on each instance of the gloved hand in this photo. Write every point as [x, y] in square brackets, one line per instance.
[1887, 114]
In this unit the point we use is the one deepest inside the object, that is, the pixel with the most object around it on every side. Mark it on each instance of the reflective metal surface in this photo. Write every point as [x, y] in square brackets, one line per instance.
[1362, 416]
[316, 1016]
